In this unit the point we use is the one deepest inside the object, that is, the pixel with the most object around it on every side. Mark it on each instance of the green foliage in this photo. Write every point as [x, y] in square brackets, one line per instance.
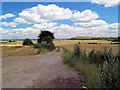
[27, 41]
[100, 67]
[94, 38]
[44, 45]
[36, 46]
[108, 73]
[45, 41]
[48, 39]
[44, 34]
[76, 50]
[10, 41]
[68, 58]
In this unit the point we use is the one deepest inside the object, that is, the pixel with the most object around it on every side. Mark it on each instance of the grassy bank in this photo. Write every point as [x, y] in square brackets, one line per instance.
[100, 68]
[89, 70]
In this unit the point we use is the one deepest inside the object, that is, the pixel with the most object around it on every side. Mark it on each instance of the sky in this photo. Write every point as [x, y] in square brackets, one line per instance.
[65, 19]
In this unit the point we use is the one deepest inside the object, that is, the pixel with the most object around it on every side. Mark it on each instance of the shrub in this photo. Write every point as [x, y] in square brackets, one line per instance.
[51, 46]
[44, 45]
[76, 50]
[27, 41]
[108, 74]
[10, 41]
[48, 39]
[36, 46]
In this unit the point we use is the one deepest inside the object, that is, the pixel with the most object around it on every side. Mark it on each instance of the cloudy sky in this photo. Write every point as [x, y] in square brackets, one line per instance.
[65, 19]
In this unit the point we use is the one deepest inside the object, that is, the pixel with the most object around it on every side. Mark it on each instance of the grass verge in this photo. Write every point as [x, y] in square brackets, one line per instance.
[89, 70]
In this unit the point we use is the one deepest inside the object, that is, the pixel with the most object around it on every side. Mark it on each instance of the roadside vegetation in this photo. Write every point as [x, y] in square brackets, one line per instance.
[99, 67]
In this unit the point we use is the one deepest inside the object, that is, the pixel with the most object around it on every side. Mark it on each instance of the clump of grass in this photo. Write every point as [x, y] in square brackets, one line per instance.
[76, 50]
[68, 58]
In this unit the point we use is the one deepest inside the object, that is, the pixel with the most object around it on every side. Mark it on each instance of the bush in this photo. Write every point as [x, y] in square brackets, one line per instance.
[48, 39]
[76, 50]
[36, 46]
[108, 74]
[10, 41]
[27, 41]
[44, 45]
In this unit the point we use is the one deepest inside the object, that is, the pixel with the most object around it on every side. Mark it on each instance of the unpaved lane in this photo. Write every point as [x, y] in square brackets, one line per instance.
[39, 71]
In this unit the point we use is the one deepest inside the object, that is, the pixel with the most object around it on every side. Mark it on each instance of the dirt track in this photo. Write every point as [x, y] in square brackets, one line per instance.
[39, 71]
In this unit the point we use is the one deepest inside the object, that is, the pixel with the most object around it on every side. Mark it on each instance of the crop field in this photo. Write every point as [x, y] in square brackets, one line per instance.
[15, 48]
[69, 44]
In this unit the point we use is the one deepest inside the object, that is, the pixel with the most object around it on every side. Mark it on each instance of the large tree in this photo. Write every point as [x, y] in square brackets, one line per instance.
[44, 34]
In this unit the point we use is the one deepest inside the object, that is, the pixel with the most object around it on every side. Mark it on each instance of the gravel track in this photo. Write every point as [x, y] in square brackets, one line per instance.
[39, 71]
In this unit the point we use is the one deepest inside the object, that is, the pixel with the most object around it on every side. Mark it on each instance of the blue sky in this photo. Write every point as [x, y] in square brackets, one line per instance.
[77, 19]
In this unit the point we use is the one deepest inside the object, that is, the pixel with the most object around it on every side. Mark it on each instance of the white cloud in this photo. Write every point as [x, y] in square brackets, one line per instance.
[44, 26]
[43, 17]
[43, 13]
[12, 24]
[106, 3]
[6, 16]
[93, 23]
[19, 20]
[84, 16]
[113, 26]
[3, 30]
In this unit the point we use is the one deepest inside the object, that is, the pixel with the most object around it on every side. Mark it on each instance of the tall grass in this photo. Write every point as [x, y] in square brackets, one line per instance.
[99, 67]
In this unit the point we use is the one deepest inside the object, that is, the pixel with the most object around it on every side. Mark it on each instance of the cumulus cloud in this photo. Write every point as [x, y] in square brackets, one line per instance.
[8, 15]
[44, 26]
[43, 13]
[3, 30]
[12, 24]
[93, 23]
[113, 26]
[44, 17]
[19, 20]
[106, 3]
[84, 16]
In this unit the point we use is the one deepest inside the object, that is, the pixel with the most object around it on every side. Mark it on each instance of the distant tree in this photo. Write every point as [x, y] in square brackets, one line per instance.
[27, 41]
[118, 39]
[44, 35]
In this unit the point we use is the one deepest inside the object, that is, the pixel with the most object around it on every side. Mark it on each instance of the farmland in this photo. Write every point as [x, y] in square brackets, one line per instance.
[68, 44]
[12, 49]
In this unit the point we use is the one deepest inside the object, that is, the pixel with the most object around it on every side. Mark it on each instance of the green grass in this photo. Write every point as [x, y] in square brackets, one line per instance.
[90, 67]
[68, 59]
[58, 49]
[89, 70]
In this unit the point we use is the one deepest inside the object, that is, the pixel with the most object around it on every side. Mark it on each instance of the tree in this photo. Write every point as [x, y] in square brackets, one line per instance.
[44, 35]
[27, 41]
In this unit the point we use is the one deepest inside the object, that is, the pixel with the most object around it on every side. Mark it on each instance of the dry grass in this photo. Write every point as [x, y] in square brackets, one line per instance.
[69, 44]
[18, 51]
[17, 43]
